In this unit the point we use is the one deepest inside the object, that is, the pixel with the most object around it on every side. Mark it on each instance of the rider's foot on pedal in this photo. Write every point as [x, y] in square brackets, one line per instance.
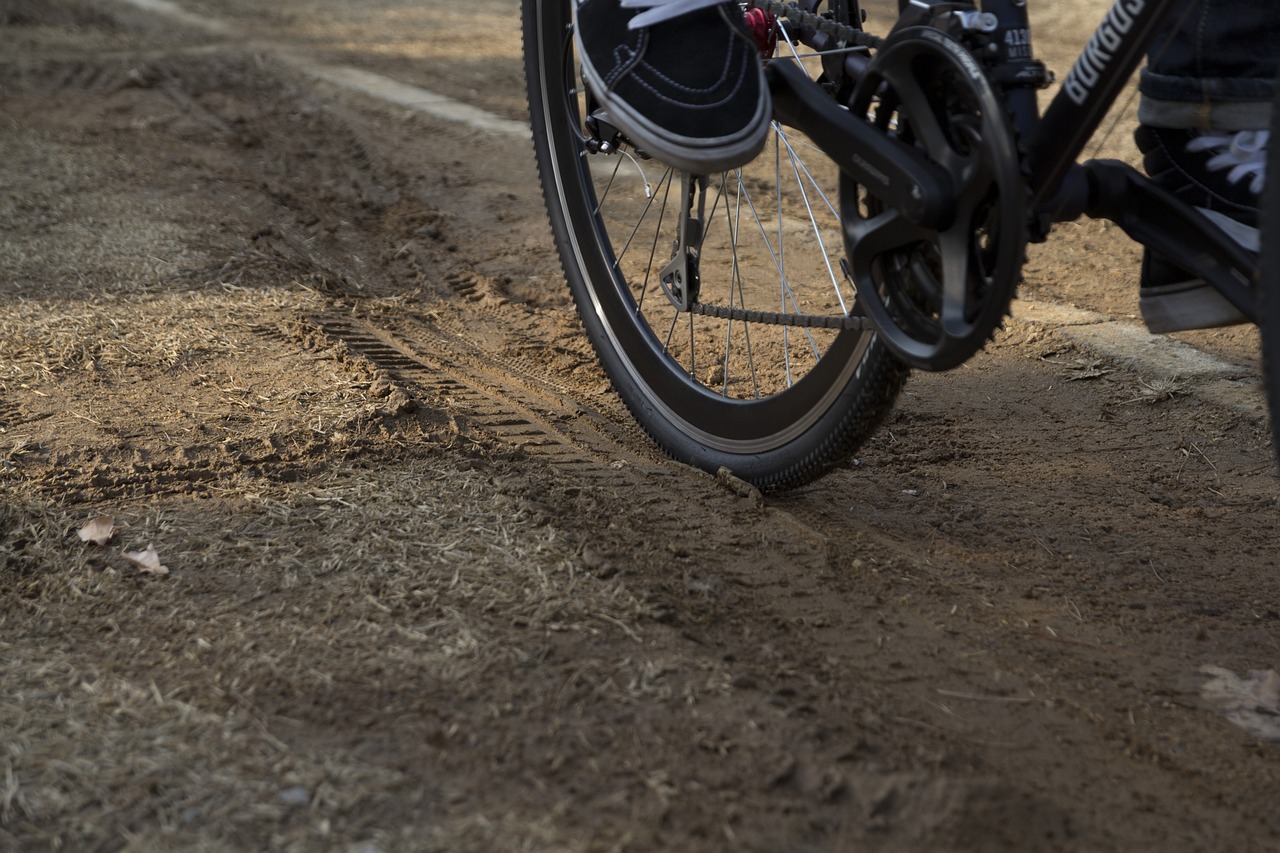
[1222, 175]
[682, 79]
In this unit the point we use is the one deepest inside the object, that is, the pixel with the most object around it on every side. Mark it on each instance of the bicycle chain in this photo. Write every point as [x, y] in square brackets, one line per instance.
[842, 33]
[777, 318]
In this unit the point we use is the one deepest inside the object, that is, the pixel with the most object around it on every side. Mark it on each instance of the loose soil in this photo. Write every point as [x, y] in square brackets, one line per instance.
[430, 588]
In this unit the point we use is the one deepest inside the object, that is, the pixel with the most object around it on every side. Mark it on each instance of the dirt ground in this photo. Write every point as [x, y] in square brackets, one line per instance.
[429, 588]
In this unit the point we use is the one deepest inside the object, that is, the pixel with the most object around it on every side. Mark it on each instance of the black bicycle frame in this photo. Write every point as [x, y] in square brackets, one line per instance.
[1105, 189]
[1062, 189]
[1089, 90]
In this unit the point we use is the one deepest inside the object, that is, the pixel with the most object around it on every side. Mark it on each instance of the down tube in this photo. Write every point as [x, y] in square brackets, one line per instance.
[1089, 90]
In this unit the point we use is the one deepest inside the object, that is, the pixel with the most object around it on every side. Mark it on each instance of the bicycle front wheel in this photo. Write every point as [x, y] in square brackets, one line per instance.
[717, 305]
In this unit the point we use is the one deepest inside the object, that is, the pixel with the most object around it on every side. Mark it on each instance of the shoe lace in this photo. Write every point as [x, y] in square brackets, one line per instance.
[1244, 153]
[657, 11]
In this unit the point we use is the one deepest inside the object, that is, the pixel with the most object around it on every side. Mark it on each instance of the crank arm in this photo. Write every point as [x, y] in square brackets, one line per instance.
[892, 171]
[1160, 222]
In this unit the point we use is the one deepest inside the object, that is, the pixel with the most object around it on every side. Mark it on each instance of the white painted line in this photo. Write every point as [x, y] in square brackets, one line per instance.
[386, 89]
[412, 97]
[175, 12]
[1208, 377]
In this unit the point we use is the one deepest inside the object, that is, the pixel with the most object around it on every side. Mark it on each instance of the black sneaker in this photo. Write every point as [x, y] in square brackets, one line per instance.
[1220, 174]
[682, 79]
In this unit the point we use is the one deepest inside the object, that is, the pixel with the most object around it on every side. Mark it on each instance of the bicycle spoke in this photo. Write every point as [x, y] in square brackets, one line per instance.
[778, 231]
[735, 226]
[817, 231]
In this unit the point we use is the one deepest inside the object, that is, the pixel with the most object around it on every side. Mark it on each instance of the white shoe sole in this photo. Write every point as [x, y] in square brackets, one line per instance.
[1195, 304]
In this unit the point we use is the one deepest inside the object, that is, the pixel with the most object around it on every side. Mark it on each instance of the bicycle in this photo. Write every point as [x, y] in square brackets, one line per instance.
[765, 320]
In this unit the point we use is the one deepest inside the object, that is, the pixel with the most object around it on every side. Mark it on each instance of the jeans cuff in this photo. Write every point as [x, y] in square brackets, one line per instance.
[1223, 117]
[1170, 87]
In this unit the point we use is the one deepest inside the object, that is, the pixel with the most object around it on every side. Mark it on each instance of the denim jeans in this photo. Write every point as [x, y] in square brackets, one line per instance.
[1213, 67]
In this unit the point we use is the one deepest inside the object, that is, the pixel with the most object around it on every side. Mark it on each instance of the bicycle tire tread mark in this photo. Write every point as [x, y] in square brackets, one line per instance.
[10, 414]
[485, 394]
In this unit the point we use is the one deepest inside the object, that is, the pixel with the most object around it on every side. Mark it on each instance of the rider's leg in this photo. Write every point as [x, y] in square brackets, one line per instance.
[681, 78]
[1206, 103]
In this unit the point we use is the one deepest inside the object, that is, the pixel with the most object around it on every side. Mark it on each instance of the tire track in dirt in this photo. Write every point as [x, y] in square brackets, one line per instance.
[494, 395]
[804, 641]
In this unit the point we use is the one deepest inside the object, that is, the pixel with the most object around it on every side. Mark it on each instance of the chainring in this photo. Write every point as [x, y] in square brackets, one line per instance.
[937, 296]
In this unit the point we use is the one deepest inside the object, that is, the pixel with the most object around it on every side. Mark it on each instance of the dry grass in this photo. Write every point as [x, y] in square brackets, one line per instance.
[322, 599]
[1157, 390]
[41, 340]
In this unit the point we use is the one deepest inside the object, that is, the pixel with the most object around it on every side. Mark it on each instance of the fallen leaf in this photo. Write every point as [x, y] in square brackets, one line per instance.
[148, 561]
[98, 530]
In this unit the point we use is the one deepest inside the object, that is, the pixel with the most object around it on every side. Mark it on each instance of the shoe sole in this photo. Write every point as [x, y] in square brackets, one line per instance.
[1195, 304]
[1185, 306]
[695, 156]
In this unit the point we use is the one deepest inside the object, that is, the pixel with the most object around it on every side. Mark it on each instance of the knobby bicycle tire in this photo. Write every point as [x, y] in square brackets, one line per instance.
[766, 376]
